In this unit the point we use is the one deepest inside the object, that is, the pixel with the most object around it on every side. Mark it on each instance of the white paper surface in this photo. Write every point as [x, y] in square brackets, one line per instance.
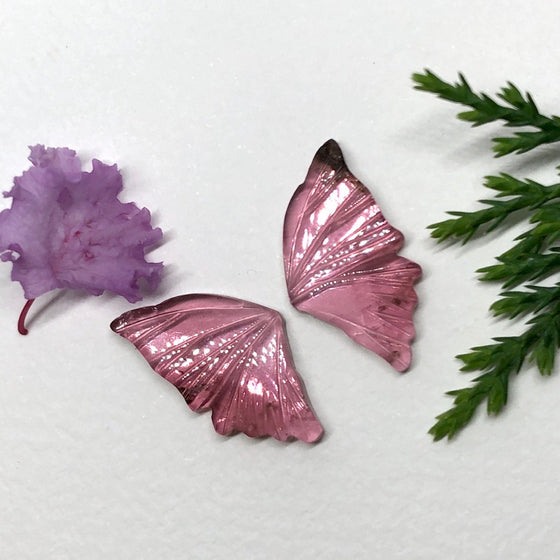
[213, 111]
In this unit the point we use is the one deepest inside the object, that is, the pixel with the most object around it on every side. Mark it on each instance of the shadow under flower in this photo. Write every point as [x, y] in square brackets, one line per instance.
[51, 306]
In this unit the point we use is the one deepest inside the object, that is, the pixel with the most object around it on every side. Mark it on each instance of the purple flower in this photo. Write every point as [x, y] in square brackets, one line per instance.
[67, 229]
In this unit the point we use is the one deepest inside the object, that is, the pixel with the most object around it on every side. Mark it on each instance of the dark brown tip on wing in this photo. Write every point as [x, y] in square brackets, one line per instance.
[330, 153]
[118, 324]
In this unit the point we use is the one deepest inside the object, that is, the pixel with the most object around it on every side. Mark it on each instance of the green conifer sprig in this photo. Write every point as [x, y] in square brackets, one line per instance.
[498, 362]
[521, 195]
[518, 110]
[533, 300]
[534, 256]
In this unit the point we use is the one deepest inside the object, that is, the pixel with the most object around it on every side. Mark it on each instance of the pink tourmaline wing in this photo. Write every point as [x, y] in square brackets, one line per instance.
[341, 261]
[227, 355]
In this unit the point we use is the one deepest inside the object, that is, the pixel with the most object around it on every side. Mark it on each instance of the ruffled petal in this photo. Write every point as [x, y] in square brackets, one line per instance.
[67, 228]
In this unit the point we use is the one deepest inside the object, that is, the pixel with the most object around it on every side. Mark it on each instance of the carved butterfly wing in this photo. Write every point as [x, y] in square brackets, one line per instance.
[341, 261]
[227, 355]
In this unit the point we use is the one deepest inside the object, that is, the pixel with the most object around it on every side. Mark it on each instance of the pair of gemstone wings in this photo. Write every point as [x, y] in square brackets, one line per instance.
[341, 265]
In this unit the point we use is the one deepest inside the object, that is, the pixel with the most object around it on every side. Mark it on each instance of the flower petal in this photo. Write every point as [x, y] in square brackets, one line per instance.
[67, 229]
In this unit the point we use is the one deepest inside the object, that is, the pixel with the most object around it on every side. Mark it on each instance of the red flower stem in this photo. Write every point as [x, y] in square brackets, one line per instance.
[21, 322]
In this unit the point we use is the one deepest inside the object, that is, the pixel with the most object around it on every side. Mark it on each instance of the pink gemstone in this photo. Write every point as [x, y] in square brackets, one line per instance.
[341, 261]
[227, 355]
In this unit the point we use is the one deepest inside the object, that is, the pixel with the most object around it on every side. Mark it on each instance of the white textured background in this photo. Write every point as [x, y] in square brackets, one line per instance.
[214, 110]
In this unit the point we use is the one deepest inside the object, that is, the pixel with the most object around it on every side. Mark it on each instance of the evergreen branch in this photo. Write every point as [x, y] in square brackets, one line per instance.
[527, 268]
[498, 362]
[537, 239]
[526, 261]
[514, 304]
[518, 111]
[528, 195]
[522, 142]
[534, 255]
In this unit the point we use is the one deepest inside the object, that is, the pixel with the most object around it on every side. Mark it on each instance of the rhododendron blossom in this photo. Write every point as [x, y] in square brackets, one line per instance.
[67, 229]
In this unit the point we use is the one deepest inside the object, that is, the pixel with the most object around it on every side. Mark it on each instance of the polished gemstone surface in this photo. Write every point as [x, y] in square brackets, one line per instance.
[341, 261]
[227, 355]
